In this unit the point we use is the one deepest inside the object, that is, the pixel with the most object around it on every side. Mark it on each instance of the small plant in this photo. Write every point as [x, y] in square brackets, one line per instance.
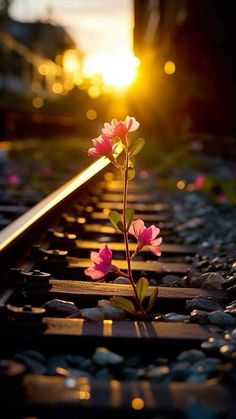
[114, 144]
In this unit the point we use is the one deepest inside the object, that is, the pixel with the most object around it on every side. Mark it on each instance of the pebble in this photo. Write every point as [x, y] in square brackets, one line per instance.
[212, 345]
[158, 373]
[229, 282]
[233, 333]
[171, 280]
[231, 308]
[62, 307]
[77, 361]
[175, 317]
[206, 366]
[195, 281]
[93, 313]
[69, 371]
[104, 374]
[110, 312]
[199, 316]
[212, 280]
[113, 313]
[179, 371]
[228, 351]
[103, 357]
[121, 280]
[196, 378]
[34, 361]
[205, 303]
[220, 318]
[192, 355]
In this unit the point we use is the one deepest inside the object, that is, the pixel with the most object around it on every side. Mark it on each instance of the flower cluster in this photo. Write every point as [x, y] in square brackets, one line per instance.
[112, 136]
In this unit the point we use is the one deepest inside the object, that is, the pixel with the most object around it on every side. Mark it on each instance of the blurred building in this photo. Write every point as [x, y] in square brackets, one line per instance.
[21, 44]
[187, 50]
[33, 78]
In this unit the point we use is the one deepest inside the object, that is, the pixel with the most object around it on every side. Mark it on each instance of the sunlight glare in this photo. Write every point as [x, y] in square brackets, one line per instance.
[117, 69]
[70, 61]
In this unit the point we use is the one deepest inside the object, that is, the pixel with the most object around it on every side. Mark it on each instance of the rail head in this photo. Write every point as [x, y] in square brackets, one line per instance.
[10, 234]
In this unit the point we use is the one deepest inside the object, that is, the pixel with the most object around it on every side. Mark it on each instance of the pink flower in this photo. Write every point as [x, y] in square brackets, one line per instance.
[146, 236]
[13, 179]
[120, 129]
[101, 263]
[102, 147]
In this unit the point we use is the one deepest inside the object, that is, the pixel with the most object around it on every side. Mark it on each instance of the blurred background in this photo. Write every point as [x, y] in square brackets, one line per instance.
[64, 64]
[66, 67]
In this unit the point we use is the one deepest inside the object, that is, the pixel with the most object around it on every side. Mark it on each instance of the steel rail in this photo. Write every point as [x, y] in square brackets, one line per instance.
[10, 234]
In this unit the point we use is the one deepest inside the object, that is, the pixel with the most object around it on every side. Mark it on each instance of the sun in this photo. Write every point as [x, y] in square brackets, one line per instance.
[117, 69]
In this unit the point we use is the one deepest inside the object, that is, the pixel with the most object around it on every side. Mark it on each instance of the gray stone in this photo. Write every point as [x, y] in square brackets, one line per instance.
[75, 372]
[231, 308]
[103, 303]
[93, 313]
[77, 361]
[199, 316]
[179, 371]
[192, 355]
[129, 373]
[220, 318]
[110, 312]
[121, 280]
[158, 373]
[212, 345]
[103, 357]
[33, 363]
[62, 307]
[35, 355]
[170, 280]
[205, 366]
[113, 313]
[175, 317]
[233, 333]
[205, 303]
[196, 378]
[228, 351]
[212, 280]
[104, 374]
[195, 281]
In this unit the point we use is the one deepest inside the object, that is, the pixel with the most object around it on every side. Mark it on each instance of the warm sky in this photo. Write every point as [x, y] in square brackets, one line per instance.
[96, 25]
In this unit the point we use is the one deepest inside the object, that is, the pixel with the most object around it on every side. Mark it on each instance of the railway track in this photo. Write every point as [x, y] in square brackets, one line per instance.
[65, 352]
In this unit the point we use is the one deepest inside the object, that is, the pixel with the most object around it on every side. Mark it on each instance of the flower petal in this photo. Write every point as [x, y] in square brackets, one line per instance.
[95, 257]
[155, 231]
[155, 250]
[145, 236]
[156, 242]
[92, 152]
[94, 273]
[105, 253]
[137, 227]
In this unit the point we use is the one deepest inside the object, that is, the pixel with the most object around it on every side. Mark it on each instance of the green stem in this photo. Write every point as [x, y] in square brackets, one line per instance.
[125, 233]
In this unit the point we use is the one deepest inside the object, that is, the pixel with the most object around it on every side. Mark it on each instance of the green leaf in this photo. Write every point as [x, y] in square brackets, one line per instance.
[116, 220]
[152, 299]
[141, 288]
[131, 161]
[137, 147]
[131, 173]
[118, 148]
[129, 214]
[124, 303]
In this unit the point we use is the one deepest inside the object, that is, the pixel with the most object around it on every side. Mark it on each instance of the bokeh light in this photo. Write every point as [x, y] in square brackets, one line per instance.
[169, 68]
